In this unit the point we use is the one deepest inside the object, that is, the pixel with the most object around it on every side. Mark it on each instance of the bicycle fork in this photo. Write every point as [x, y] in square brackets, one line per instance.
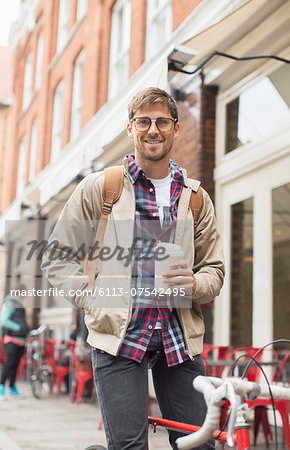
[241, 427]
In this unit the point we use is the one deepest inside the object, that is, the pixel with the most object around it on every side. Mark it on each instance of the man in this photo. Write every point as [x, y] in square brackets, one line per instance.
[146, 328]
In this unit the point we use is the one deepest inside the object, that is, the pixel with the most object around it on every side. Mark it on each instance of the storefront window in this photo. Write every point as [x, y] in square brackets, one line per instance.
[241, 273]
[281, 260]
[260, 111]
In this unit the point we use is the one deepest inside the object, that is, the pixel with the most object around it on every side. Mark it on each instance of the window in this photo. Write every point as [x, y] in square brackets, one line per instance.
[281, 260]
[77, 97]
[120, 44]
[39, 61]
[241, 273]
[159, 25]
[62, 31]
[57, 122]
[27, 87]
[21, 168]
[260, 111]
[82, 6]
[33, 152]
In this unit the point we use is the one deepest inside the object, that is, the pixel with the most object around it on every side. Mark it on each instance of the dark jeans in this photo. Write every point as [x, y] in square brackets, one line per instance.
[13, 356]
[122, 387]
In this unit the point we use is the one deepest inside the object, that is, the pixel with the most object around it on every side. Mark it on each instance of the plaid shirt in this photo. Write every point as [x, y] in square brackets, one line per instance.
[145, 309]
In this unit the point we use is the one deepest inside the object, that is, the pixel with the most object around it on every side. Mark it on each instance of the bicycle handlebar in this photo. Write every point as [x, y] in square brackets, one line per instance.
[38, 330]
[216, 391]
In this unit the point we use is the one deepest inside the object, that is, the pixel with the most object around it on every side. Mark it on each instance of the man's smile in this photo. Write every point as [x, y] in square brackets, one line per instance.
[153, 142]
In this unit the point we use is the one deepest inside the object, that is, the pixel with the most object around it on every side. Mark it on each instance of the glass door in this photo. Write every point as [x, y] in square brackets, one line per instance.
[253, 212]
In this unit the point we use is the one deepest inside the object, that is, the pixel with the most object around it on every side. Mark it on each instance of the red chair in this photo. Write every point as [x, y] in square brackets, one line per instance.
[205, 352]
[215, 353]
[82, 370]
[63, 366]
[253, 373]
[282, 406]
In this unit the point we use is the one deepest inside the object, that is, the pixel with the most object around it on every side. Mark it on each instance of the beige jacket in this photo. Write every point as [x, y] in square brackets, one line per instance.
[107, 316]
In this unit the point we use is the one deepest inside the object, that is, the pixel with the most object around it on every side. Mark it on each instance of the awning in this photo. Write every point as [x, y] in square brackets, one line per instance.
[257, 27]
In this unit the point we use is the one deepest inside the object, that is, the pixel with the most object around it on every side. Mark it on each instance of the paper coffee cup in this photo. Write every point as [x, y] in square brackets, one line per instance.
[165, 255]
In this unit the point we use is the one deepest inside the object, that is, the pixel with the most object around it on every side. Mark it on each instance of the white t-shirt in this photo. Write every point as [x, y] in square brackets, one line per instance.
[162, 194]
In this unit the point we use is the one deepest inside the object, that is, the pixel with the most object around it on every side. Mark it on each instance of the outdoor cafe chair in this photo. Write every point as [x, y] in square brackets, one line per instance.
[215, 353]
[282, 406]
[83, 371]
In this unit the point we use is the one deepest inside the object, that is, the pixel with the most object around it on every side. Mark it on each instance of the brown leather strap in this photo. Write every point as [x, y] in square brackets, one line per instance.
[113, 187]
[112, 190]
[196, 204]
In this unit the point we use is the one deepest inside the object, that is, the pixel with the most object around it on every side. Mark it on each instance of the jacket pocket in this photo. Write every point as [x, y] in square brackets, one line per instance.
[109, 321]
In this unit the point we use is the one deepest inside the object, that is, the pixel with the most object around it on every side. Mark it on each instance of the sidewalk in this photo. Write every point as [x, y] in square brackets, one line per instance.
[56, 423]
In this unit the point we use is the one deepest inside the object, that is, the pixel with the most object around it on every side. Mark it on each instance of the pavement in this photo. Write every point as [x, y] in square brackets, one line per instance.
[56, 423]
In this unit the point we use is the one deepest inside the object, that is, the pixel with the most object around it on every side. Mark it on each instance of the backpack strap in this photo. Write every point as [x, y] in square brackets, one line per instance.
[113, 187]
[112, 190]
[196, 204]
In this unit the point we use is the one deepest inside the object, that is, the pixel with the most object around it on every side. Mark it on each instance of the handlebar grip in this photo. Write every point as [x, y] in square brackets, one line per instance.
[279, 392]
[196, 439]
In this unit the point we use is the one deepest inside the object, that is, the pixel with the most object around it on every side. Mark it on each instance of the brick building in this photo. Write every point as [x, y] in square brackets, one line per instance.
[66, 57]
[76, 65]
[5, 117]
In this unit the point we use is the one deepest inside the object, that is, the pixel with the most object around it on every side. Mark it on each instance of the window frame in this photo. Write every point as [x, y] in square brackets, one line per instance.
[77, 96]
[224, 98]
[27, 84]
[21, 170]
[57, 121]
[33, 150]
[152, 20]
[62, 27]
[120, 37]
[81, 11]
[39, 62]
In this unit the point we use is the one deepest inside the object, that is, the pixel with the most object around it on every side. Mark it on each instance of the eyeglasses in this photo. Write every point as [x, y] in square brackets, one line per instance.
[164, 124]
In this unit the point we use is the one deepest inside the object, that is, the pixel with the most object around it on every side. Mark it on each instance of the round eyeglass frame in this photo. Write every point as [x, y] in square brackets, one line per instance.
[173, 122]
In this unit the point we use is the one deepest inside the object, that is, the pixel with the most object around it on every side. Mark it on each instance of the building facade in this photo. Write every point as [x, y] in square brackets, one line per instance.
[77, 64]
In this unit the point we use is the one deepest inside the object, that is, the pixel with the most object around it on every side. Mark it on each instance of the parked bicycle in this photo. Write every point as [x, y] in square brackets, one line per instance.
[40, 374]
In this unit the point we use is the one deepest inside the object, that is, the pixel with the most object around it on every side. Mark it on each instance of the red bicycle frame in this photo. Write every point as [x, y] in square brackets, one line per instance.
[241, 437]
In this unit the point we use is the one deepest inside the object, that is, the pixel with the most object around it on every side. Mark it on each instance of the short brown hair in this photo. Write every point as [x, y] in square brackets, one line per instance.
[149, 96]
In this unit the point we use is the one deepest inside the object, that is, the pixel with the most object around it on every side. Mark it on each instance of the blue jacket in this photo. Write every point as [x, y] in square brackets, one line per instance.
[13, 318]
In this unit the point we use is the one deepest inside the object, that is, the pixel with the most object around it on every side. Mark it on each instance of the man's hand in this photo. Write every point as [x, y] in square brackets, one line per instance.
[180, 276]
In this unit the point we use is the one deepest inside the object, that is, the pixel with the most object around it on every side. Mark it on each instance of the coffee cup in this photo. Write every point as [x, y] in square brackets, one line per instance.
[165, 254]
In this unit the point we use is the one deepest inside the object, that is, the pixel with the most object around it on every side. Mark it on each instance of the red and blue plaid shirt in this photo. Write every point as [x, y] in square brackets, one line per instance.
[147, 308]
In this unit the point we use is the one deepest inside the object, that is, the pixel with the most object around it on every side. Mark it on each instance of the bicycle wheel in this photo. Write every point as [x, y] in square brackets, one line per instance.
[34, 375]
[96, 447]
[45, 376]
[41, 380]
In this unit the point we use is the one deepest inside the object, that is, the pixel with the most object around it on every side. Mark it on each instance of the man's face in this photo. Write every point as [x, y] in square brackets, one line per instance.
[153, 144]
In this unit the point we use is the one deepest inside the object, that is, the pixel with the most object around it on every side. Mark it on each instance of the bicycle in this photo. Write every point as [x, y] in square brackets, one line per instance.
[216, 391]
[40, 374]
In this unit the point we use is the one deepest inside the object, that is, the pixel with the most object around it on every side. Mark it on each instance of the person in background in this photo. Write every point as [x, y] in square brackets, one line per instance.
[13, 320]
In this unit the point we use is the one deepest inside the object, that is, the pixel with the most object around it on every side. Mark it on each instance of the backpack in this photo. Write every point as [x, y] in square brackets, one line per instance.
[113, 186]
[112, 190]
